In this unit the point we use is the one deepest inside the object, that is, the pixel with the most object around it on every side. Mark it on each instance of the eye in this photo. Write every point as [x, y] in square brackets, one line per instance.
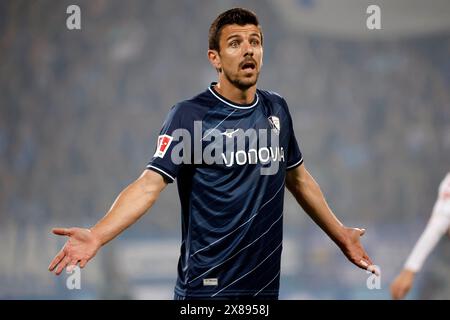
[234, 44]
[254, 42]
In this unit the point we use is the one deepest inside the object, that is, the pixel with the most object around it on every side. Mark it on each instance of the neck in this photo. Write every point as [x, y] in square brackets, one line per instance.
[235, 94]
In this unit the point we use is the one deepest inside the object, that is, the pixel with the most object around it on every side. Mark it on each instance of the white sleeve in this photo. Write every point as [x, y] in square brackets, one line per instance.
[437, 226]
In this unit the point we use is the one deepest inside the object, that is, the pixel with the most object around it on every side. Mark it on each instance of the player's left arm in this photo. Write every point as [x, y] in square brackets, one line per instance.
[308, 194]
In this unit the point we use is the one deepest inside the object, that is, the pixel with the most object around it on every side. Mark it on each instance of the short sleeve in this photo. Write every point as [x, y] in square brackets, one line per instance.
[294, 154]
[162, 161]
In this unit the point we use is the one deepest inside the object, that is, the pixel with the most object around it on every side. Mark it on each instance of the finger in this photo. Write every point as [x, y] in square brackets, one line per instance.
[367, 258]
[372, 268]
[363, 264]
[62, 231]
[394, 292]
[83, 263]
[361, 231]
[72, 265]
[397, 294]
[56, 260]
[62, 265]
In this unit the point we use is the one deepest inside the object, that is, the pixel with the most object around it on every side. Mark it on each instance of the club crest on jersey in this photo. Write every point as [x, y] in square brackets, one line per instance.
[164, 142]
[275, 124]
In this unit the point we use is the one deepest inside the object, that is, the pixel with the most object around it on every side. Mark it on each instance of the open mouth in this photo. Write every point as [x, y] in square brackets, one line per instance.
[248, 66]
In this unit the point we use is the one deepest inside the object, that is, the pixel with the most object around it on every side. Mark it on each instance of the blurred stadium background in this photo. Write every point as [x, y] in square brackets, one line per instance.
[80, 112]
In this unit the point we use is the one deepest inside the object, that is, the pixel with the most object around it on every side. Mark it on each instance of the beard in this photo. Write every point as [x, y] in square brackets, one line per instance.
[242, 83]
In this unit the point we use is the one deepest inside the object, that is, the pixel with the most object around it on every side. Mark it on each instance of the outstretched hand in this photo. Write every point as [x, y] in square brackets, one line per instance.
[402, 284]
[354, 251]
[81, 247]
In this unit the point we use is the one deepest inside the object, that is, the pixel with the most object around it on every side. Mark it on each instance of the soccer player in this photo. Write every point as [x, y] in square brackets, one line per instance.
[232, 150]
[437, 226]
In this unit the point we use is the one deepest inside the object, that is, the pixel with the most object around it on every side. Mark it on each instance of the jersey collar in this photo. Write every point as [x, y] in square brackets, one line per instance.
[231, 103]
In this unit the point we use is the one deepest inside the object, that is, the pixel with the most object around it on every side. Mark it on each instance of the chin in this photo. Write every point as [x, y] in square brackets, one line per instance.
[247, 82]
[242, 81]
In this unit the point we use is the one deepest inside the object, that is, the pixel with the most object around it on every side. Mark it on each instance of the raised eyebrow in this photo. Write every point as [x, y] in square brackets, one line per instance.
[254, 34]
[233, 36]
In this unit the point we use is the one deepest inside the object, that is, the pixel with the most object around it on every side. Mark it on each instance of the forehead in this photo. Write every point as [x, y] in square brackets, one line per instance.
[235, 29]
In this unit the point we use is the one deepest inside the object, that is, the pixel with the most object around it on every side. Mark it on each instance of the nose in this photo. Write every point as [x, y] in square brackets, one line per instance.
[248, 49]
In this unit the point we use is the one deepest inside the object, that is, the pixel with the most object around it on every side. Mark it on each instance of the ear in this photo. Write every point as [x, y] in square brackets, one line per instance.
[262, 55]
[214, 59]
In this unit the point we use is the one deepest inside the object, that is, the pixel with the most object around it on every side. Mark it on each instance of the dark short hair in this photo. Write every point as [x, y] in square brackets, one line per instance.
[239, 16]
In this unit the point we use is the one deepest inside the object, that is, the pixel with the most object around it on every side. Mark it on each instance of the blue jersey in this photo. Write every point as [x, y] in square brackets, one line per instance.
[230, 162]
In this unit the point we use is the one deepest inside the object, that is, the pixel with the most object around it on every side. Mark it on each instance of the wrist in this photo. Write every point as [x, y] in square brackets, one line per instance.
[409, 273]
[96, 236]
[341, 237]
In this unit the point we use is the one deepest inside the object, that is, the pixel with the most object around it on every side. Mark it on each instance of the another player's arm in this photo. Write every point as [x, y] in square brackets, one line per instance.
[308, 194]
[128, 207]
[437, 226]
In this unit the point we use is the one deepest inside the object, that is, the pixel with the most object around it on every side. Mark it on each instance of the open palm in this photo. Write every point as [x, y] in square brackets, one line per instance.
[355, 252]
[81, 247]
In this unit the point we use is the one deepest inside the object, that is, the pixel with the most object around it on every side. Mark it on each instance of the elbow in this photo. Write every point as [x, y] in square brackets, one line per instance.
[294, 186]
[152, 196]
[151, 192]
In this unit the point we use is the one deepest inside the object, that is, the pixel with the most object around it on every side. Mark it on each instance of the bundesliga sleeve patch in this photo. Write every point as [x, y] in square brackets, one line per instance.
[164, 142]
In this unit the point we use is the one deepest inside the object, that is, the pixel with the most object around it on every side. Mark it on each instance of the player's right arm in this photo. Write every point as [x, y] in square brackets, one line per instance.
[83, 244]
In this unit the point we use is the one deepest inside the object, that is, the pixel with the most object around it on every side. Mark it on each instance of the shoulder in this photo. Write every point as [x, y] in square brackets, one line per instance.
[272, 96]
[191, 109]
[275, 99]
